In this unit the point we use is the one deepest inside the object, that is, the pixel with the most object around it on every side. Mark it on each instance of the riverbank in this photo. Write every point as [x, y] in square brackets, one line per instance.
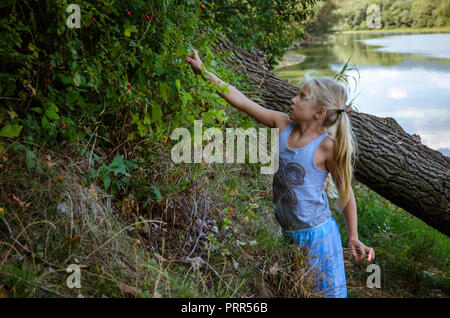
[442, 29]
[290, 58]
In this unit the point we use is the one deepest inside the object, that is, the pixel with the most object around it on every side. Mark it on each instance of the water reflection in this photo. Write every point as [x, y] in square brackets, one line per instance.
[412, 86]
[429, 45]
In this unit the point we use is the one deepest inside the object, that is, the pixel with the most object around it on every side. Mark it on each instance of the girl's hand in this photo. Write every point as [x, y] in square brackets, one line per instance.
[356, 245]
[195, 62]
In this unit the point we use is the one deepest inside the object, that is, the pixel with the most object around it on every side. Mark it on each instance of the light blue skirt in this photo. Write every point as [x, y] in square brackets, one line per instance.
[324, 249]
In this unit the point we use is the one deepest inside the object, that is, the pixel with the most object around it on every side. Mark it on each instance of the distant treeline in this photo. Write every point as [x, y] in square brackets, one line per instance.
[345, 15]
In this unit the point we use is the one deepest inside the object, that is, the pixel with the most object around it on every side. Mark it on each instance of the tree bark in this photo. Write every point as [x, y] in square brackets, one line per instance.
[391, 162]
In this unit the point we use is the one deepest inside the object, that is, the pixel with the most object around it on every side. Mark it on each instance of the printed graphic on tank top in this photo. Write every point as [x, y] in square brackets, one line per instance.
[299, 186]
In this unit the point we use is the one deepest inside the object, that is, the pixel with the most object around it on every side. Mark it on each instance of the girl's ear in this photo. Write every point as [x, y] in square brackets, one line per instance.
[322, 113]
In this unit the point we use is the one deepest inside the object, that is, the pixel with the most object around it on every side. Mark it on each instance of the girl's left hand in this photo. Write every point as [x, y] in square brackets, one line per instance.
[356, 245]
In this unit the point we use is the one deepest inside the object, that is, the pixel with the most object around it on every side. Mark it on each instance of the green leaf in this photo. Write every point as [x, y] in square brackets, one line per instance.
[117, 161]
[37, 110]
[107, 182]
[134, 119]
[30, 155]
[156, 113]
[156, 192]
[93, 172]
[11, 131]
[177, 84]
[51, 111]
[44, 122]
[146, 120]
[121, 170]
[163, 89]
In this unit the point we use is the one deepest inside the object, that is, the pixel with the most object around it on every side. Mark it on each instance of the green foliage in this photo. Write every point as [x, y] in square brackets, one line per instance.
[263, 24]
[405, 247]
[80, 78]
[116, 174]
[394, 14]
[324, 19]
[125, 74]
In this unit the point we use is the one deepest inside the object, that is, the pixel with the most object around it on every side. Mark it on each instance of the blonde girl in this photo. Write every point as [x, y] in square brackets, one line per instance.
[308, 158]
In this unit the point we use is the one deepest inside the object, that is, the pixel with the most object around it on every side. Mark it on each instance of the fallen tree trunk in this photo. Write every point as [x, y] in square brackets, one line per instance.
[391, 162]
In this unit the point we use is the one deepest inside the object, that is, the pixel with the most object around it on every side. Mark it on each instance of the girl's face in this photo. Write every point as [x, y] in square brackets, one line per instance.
[303, 106]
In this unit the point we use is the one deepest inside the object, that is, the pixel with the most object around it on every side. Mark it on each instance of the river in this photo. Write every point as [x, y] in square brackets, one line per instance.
[401, 75]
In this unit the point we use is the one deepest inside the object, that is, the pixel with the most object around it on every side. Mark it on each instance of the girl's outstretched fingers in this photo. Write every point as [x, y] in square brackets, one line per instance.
[195, 62]
[371, 255]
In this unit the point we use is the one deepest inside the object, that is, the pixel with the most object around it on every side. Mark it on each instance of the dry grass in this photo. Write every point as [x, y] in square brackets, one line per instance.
[180, 245]
[66, 222]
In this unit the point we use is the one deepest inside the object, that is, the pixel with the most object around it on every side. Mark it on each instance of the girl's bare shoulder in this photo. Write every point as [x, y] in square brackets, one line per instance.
[327, 147]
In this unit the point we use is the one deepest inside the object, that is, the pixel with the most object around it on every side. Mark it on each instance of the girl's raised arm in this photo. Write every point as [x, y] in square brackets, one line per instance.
[267, 117]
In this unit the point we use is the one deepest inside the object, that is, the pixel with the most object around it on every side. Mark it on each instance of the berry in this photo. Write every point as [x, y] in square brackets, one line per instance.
[129, 84]
[86, 130]
[64, 126]
[126, 63]
[182, 39]
[109, 149]
[187, 60]
[93, 19]
[147, 17]
[136, 101]
[202, 6]
[128, 13]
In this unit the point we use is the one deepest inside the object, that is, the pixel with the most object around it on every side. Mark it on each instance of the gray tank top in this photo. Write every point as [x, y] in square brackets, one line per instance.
[299, 186]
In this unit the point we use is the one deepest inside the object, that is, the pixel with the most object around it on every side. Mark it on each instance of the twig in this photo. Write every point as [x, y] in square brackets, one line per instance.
[201, 230]
[50, 291]
[189, 222]
[11, 235]
[42, 287]
[217, 274]
[125, 228]
[93, 146]
[1, 97]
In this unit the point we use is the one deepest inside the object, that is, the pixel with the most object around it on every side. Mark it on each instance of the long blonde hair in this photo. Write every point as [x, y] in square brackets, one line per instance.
[332, 95]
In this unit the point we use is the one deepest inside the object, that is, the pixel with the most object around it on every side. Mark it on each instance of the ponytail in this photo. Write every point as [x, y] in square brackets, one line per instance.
[345, 150]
